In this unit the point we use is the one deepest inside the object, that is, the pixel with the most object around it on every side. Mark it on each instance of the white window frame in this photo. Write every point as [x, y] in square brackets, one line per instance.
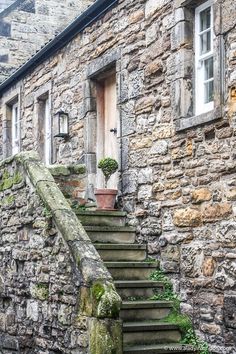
[15, 128]
[200, 106]
[47, 133]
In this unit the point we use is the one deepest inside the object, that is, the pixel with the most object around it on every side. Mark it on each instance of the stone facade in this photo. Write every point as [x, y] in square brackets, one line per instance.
[28, 25]
[49, 273]
[177, 175]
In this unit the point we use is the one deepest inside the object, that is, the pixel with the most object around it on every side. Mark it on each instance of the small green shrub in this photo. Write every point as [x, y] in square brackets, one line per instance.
[108, 166]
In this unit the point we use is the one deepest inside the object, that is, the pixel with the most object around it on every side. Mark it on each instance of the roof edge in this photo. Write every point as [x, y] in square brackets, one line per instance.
[78, 25]
[11, 8]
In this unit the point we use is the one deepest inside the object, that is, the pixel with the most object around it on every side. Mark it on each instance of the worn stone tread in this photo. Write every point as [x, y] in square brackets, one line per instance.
[119, 246]
[105, 228]
[101, 213]
[145, 304]
[120, 284]
[147, 326]
[153, 265]
[160, 349]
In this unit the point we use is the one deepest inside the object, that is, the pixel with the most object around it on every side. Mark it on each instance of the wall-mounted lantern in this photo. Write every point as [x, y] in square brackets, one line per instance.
[62, 125]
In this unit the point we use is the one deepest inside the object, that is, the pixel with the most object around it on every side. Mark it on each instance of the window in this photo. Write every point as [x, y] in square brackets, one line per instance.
[204, 63]
[44, 126]
[199, 56]
[15, 128]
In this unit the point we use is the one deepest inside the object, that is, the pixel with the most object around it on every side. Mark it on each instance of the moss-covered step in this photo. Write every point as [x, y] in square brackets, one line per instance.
[138, 288]
[131, 270]
[101, 218]
[160, 349]
[111, 234]
[145, 310]
[143, 332]
[121, 252]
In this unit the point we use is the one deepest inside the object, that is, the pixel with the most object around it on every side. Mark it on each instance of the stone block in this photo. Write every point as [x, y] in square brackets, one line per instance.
[145, 176]
[201, 195]
[188, 217]
[182, 35]
[230, 311]
[231, 194]
[154, 67]
[159, 148]
[144, 105]
[153, 6]
[217, 211]
[208, 267]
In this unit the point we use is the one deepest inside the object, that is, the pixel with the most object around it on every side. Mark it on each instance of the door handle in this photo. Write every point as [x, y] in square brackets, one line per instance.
[114, 130]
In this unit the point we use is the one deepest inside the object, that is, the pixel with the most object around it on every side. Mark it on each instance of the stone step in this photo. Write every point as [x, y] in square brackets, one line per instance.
[131, 270]
[111, 234]
[121, 252]
[160, 349]
[145, 310]
[135, 333]
[102, 218]
[138, 288]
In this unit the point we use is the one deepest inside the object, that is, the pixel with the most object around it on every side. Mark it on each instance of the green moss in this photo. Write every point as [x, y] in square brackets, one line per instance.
[17, 178]
[59, 170]
[106, 301]
[8, 181]
[41, 292]
[98, 290]
[9, 200]
[77, 169]
[105, 337]
[47, 213]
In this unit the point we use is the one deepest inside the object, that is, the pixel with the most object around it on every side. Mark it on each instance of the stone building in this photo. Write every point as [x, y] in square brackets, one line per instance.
[151, 83]
[26, 25]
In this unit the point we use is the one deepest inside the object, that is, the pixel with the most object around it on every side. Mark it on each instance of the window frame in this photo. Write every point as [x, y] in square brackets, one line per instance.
[183, 83]
[200, 106]
[47, 132]
[15, 128]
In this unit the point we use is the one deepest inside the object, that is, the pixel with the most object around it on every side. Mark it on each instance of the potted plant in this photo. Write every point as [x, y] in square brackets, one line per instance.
[106, 197]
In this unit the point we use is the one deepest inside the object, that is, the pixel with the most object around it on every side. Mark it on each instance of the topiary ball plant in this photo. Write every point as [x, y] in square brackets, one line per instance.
[108, 166]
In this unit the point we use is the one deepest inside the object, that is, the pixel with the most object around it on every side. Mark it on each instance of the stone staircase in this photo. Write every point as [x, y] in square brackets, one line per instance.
[144, 330]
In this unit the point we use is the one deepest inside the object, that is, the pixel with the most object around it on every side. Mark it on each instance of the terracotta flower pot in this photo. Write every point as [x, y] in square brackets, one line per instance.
[106, 198]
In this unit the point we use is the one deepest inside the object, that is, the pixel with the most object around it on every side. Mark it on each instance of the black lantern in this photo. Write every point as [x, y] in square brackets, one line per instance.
[63, 125]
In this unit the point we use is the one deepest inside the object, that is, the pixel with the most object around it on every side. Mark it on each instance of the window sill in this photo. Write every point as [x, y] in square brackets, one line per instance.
[186, 123]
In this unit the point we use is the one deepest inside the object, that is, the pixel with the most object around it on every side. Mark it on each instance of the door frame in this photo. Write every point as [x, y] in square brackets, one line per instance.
[97, 70]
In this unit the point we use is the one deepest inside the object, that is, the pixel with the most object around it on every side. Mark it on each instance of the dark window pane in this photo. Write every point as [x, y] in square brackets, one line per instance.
[205, 19]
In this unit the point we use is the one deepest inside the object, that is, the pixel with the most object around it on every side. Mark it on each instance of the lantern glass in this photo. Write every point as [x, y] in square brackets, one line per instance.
[63, 123]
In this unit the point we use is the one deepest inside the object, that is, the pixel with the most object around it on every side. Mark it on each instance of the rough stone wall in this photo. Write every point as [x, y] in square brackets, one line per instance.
[30, 25]
[178, 187]
[44, 288]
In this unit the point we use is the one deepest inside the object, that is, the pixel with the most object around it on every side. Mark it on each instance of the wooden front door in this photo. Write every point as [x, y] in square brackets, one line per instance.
[107, 145]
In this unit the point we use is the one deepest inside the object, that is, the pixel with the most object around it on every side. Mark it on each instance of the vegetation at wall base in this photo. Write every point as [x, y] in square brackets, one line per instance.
[175, 317]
